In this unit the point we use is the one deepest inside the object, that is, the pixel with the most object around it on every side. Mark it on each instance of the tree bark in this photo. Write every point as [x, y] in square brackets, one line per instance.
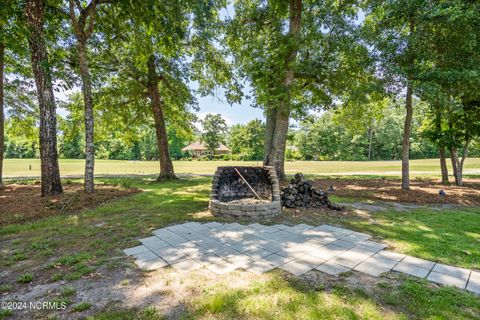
[407, 128]
[457, 163]
[279, 142]
[166, 166]
[83, 31]
[456, 166]
[276, 145]
[2, 113]
[50, 172]
[370, 138]
[443, 165]
[89, 183]
[270, 115]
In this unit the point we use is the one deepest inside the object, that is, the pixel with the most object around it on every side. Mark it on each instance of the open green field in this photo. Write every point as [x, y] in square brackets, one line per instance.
[21, 167]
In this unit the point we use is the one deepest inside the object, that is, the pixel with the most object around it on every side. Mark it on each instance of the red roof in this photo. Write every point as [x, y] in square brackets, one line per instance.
[199, 146]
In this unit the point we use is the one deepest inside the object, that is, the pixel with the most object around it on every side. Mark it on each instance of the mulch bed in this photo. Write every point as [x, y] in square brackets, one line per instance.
[21, 203]
[424, 191]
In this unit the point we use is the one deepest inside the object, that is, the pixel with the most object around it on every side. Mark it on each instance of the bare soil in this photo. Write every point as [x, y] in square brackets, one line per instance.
[21, 203]
[422, 192]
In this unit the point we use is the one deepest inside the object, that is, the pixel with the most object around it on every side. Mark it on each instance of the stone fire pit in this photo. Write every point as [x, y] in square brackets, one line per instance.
[232, 197]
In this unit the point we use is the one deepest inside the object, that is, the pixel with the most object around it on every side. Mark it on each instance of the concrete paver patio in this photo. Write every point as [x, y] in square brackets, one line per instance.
[257, 248]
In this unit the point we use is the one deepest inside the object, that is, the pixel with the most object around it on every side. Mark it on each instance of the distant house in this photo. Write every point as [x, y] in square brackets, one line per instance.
[198, 149]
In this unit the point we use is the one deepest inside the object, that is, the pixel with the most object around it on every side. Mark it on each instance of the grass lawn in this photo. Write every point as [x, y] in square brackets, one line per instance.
[84, 251]
[21, 167]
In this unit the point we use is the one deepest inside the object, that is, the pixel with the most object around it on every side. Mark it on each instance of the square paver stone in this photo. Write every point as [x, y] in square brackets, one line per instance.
[258, 253]
[291, 252]
[279, 226]
[391, 255]
[344, 244]
[452, 271]
[213, 224]
[272, 247]
[447, 279]
[382, 261]
[474, 282]
[296, 268]
[153, 242]
[299, 228]
[327, 252]
[222, 267]
[186, 266]
[259, 267]
[210, 244]
[171, 254]
[227, 252]
[163, 232]
[371, 268]
[241, 261]
[310, 260]
[145, 256]
[332, 268]
[356, 237]
[135, 250]
[153, 264]
[375, 245]
[414, 266]
[350, 259]
[275, 260]
[208, 258]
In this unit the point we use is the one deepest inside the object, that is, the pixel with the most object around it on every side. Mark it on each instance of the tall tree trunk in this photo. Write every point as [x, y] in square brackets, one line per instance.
[166, 164]
[50, 171]
[443, 165]
[89, 183]
[270, 115]
[2, 113]
[456, 166]
[441, 148]
[407, 128]
[462, 161]
[279, 142]
[276, 153]
[370, 138]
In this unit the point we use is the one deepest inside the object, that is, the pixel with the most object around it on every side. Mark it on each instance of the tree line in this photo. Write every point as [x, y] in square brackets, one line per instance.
[335, 135]
[135, 60]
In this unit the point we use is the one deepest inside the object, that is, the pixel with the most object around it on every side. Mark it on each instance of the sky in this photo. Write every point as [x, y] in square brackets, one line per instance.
[233, 114]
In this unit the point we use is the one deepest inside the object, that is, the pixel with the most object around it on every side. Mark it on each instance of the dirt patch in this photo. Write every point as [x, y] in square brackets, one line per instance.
[425, 191]
[20, 203]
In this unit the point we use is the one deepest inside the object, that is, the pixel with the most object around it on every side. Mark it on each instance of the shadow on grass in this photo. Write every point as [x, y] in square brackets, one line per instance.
[102, 232]
[280, 296]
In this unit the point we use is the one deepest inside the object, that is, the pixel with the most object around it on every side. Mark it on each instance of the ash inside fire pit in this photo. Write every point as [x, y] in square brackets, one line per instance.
[249, 201]
[235, 191]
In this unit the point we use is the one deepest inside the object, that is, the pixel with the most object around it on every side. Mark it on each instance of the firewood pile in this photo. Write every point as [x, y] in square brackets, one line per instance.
[300, 193]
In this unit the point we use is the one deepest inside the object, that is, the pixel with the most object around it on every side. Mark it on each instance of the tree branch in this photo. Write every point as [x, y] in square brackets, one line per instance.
[73, 18]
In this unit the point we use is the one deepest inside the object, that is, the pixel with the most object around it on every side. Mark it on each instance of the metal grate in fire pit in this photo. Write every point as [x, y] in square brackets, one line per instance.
[232, 197]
